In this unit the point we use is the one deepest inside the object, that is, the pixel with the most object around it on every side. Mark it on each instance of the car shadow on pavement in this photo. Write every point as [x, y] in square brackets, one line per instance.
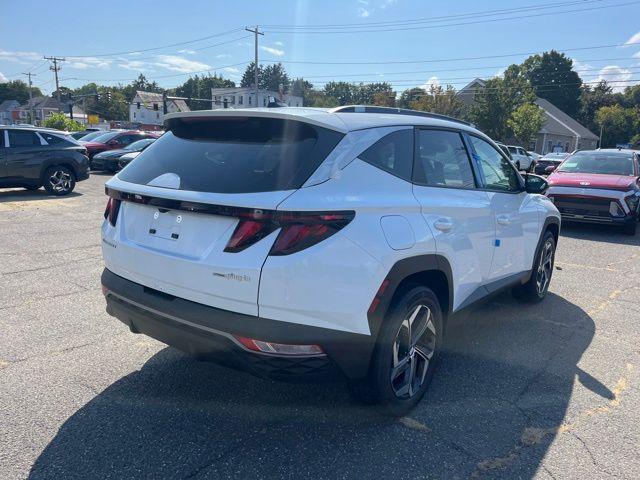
[495, 405]
[599, 233]
[23, 195]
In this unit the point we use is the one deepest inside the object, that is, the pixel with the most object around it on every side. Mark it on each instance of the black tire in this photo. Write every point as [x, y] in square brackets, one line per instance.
[631, 227]
[538, 285]
[32, 188]
[398, 389]
[59, 180]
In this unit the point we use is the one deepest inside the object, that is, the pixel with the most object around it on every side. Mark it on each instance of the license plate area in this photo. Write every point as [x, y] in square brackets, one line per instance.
[165, 224]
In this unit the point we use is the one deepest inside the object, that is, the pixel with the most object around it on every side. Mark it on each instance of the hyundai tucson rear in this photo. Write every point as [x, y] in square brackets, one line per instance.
[301, 242]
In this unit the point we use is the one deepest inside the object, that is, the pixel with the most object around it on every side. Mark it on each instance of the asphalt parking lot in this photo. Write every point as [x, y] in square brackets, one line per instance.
[544, 391]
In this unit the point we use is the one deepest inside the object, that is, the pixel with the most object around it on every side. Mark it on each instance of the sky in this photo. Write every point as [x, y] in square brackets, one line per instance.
[405, 42]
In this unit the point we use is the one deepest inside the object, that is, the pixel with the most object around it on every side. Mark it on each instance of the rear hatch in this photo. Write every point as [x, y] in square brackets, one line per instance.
[192, 216]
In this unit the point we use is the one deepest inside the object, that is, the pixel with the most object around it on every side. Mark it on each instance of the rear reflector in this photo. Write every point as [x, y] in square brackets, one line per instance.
[279, 348]
[377, 299]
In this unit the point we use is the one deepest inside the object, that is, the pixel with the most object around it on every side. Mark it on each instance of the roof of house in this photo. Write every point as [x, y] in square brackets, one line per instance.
[151, 97]
[44, 102]
[560, 123]
[9, 104]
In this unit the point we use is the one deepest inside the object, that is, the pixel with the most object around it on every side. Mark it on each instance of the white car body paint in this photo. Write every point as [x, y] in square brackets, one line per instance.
[332, 283]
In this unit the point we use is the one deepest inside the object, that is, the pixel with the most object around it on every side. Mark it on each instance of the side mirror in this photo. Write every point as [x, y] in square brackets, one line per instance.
[535, 183]
[550, 169]
[113, 143]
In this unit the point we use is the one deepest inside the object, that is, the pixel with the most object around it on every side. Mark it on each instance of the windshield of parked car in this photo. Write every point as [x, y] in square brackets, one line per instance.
[235, 154]
[90, 136]
[140, 144]
[611, 163]
[103, 138]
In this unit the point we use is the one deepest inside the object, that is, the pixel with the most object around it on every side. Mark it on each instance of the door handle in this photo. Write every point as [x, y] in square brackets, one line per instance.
[503, 219]
[443, 224]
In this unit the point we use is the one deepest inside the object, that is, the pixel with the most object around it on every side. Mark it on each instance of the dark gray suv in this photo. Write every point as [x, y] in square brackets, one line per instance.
[35, 157]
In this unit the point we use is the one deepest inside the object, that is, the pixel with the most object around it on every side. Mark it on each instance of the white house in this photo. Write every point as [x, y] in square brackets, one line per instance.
[244, 97]
[146, 108]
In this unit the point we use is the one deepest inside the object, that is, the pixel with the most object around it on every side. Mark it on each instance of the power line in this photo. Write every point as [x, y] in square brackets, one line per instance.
[434, 19]
[459, 59]
[473, 22]
[114, 54]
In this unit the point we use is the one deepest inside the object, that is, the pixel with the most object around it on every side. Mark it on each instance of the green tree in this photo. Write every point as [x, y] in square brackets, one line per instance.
[315, 98]
[495, 102]
[17, 90]
[60, 122]
[592, 99]
[439, 100]
[525, 122]
[140, 83]
[273, 76]
[409, 96]
[249, 75]
[301, 88]
[200, 87]
[618, 124]
[552, 77]
[344, 93]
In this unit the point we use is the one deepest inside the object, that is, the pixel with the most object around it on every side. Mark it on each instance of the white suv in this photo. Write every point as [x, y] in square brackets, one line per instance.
[521, 158]
[296, 241]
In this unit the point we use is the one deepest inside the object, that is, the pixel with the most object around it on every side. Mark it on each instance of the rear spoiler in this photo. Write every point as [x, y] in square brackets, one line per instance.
[316, 117]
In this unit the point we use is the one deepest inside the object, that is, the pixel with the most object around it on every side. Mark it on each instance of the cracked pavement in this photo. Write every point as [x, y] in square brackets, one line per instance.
[543, 391]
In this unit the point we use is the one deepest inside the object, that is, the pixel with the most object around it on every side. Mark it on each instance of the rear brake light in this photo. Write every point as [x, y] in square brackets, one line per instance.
[299, 230]
[279, 348]
[111, 212]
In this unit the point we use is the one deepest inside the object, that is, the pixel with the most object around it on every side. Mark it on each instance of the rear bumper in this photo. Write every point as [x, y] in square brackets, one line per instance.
[596, 219]
[208, 333]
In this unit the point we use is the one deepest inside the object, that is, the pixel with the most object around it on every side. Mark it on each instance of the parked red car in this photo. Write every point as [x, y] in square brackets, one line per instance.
[598, 186]
[114, 139]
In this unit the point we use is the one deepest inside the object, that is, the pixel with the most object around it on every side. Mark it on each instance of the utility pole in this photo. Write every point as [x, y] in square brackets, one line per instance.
[55, 67]
[255, 32]
[29, 74]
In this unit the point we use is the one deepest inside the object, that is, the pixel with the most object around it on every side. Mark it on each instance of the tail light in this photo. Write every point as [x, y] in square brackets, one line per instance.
[299, 230]
[111, 212]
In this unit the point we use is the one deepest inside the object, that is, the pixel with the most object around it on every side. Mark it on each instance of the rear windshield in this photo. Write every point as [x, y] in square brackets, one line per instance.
[235, 154]
[612, 163]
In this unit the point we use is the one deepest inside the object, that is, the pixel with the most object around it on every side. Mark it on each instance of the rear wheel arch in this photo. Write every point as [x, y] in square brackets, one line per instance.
[431, 271]
[61, 162]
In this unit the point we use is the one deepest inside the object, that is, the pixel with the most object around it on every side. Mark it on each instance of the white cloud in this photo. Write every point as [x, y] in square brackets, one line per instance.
[82, 63]
[278, 43]
[388, 3]
[635, 39]
[363, 12]
[135, 54]
[187, 51]
[636, 55]
[180, 64]
[616, 76]
[3, 79]
[223, 55]
[134, 65]
[20, 57]
[273, 51]
[231, 69]
[432, 81]
[363, 2]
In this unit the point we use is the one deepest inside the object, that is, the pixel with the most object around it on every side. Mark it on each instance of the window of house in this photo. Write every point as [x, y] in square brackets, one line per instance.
[240, 100]
[442, 160]
[498, 173]
[138, 105]
[155, 106]
[393, 153]
[23, 138]
[158, 115]
[134, 114]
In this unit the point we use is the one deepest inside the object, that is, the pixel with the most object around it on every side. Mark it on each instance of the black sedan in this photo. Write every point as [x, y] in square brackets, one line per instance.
[549, 162]
[109, 160]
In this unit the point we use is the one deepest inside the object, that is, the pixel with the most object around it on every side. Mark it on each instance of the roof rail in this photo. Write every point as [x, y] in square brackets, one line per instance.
[395, 111]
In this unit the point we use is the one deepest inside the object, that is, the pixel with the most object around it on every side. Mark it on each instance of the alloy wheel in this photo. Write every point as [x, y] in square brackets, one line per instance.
[413, 349]
[60, 181]
[545, 267]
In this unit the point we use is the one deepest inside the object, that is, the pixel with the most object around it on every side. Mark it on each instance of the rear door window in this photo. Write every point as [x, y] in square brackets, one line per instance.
[442, 160]
[235, 154]
[23, 138]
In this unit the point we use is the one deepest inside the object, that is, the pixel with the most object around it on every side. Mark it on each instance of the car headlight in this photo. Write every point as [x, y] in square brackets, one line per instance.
[632, 201]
